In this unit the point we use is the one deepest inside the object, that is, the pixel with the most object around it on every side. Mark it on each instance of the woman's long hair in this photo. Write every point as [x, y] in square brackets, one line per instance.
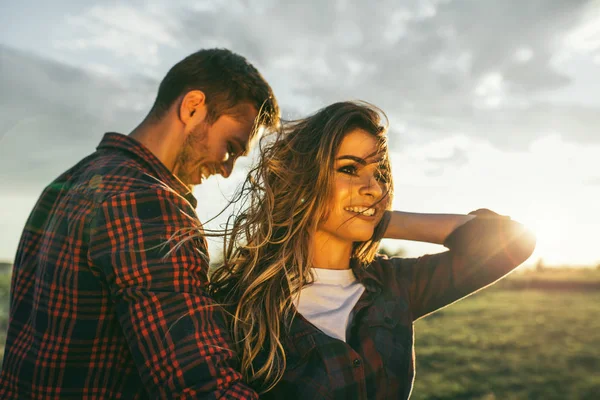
[267, 259]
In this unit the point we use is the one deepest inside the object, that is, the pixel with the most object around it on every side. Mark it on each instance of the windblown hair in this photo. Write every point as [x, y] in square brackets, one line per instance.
[267, 255]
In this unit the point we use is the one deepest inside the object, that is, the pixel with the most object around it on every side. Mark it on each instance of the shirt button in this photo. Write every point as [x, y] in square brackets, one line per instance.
[96, 181]
[356, 363]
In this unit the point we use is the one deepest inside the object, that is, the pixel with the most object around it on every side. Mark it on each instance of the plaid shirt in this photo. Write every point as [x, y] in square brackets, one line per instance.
[103, 304]
[377, 362]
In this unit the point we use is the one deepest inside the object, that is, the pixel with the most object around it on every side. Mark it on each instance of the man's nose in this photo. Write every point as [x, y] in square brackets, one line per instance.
[227, 167]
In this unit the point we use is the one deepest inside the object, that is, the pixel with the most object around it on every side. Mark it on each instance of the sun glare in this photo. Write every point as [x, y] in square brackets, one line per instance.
[548, 233]
[557, 240]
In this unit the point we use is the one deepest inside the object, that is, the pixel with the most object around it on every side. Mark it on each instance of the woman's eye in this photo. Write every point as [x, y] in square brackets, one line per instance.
[348, 169]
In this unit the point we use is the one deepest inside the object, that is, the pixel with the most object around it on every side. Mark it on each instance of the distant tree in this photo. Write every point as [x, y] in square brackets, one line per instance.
[540, 266]
[398, 252]
[5, 266]
[215, 263]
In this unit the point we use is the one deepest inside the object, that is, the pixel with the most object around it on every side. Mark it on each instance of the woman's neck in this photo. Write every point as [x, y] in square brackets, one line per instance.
[329, 252]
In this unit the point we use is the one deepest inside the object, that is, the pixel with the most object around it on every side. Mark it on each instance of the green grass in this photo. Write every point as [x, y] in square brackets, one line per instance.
[559, 274]
[581, 279]
[501, 344]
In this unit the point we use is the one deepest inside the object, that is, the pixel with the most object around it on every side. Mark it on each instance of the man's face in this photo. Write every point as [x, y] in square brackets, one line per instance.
[213, 148]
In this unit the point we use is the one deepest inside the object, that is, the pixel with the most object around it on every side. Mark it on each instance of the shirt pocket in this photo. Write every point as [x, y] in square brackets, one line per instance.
[305, 374]
[392, 335]
[298, 350]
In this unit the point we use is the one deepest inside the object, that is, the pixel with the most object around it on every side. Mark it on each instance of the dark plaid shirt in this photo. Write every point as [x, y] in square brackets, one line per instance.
[377, 362]
[103, 305]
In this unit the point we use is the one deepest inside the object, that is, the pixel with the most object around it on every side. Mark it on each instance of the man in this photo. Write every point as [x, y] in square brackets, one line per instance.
[107, 296]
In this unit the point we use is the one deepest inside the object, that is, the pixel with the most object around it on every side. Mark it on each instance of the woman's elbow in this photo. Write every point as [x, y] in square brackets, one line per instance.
[521, 244]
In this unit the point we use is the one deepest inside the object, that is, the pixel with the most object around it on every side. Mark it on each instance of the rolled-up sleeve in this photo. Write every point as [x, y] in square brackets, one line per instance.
[147, 246]
[481, 251]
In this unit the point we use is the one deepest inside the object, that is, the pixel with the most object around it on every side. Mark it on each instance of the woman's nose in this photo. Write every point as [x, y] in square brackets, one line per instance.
[371, 187]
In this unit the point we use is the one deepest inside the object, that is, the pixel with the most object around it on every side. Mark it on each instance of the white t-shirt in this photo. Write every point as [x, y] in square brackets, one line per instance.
[328, 302]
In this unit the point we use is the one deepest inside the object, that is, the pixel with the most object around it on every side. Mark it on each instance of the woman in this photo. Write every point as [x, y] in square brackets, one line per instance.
[316, 312]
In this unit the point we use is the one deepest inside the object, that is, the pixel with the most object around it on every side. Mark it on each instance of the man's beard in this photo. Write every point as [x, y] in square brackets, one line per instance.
[193, 152]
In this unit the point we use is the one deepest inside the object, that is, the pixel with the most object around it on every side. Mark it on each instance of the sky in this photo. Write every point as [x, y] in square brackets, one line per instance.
[492, 104]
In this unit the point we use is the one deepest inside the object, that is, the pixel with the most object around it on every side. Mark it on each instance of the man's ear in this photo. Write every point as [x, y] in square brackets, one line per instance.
[192, 110]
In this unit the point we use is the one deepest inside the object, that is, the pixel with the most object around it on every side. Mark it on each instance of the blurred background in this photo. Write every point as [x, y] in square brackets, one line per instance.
[492, 104]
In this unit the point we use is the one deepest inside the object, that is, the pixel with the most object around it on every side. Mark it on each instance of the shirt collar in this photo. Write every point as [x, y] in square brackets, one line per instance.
[113, 140]
[365, 275]
[301, 331]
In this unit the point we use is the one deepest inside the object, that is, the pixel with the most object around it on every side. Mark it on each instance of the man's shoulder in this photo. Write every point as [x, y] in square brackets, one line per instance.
[121, 173]
[103, 175]
[116, 173]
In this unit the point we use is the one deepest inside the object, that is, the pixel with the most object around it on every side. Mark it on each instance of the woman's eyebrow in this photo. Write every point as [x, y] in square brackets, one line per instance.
[360, 160]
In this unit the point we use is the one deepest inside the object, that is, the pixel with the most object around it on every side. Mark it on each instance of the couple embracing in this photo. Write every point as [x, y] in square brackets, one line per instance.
[110, 293]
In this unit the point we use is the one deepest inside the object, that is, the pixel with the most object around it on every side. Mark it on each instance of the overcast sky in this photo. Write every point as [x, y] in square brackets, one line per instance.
[492, 103]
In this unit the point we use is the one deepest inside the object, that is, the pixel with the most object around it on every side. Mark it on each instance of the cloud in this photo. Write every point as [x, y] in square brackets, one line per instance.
[129, 32]
[457, 158]
[585, 38]
[484, 69]
[52, 115]
[546, 187]
[437, 67]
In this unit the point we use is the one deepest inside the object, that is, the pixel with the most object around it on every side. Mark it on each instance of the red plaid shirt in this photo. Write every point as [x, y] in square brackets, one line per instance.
[377, 361]
[103, 305]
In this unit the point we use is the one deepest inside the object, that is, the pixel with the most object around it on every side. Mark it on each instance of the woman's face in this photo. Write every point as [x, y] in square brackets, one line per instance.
[357, 197]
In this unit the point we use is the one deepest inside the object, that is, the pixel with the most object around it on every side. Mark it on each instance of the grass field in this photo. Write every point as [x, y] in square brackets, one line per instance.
[506, 342]
[511, 344]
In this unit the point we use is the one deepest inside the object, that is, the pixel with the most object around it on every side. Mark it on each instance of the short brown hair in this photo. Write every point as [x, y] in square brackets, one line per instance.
[227, 79]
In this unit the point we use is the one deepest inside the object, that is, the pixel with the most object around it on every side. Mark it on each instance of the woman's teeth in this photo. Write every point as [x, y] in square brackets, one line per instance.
[369, 212]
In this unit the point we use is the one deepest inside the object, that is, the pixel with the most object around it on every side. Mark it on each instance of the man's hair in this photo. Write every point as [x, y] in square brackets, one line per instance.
[227, 80]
